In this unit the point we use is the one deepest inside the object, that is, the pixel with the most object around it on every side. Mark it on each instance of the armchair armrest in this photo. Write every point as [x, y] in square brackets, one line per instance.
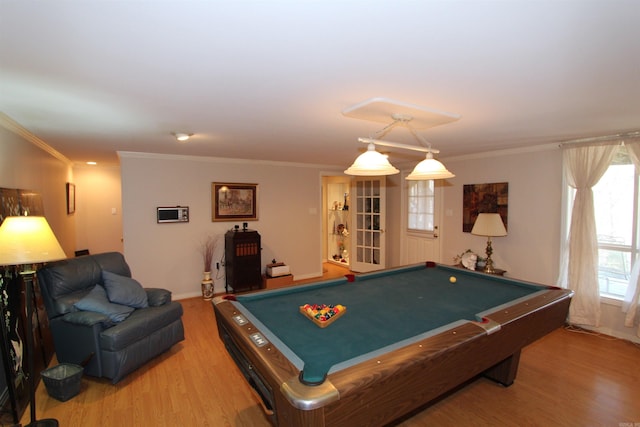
[86, 318]
[76, 339]
[158, 296]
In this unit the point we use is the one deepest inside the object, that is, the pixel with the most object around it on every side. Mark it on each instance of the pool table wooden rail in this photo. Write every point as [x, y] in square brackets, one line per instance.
[273, 367]
[386, 388]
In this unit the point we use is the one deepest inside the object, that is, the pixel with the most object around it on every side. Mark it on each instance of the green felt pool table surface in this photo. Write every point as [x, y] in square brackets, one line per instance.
[383, 310]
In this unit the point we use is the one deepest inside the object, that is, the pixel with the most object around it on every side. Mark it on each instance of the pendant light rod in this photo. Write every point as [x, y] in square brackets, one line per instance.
[398, 145]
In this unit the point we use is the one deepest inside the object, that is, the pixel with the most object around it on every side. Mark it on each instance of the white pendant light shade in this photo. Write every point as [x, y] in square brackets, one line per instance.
[429, 168]
[371, 163]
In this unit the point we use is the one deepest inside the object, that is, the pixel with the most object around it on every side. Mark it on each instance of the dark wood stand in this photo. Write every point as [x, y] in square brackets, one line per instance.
[242, 260]
[14, 392]
[496, 271]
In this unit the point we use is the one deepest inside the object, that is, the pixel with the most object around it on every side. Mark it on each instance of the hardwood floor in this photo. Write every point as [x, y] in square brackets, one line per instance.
[329, 271]
[565, 379]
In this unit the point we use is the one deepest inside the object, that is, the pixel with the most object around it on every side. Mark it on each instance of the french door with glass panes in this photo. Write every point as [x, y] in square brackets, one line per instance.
[368, 224]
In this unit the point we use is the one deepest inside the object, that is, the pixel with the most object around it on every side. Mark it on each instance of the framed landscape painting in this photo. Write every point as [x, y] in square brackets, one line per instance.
[233, 201]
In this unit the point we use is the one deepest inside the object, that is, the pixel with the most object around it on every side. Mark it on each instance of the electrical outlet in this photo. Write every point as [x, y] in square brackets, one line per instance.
[217, 266]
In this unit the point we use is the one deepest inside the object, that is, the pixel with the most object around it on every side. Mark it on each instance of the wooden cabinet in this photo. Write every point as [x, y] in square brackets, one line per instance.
[242, 260]
[14, 390]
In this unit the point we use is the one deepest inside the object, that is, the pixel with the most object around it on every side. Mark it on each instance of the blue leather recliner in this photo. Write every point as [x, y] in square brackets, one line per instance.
[111, 339]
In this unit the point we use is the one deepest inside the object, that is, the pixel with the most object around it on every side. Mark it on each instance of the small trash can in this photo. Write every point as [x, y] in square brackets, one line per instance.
[63, 381]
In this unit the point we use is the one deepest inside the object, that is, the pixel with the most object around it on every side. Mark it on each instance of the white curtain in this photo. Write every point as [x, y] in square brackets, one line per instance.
[584, 166]
[632, 297]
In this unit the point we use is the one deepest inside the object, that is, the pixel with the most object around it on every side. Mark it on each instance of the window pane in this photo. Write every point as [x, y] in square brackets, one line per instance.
[613, 200]
[420, 205]
[613, 272]
[413, 206]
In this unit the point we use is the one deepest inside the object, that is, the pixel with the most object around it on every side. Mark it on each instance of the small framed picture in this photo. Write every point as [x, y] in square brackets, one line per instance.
[71, 198]
[233, 201]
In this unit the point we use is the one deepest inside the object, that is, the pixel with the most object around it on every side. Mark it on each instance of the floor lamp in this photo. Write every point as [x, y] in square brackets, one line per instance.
[27, 240]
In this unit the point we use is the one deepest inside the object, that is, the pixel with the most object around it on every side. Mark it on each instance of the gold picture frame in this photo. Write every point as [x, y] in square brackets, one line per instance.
[234, 201]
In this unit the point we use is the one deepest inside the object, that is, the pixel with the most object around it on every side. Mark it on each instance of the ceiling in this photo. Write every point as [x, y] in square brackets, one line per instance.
[269, 79]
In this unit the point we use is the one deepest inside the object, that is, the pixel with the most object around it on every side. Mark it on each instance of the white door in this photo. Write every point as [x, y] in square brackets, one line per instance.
[368, 224]
[420, 241]
[421, 248]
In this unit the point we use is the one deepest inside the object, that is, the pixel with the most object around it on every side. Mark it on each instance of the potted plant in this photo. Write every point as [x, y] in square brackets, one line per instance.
[207, 249]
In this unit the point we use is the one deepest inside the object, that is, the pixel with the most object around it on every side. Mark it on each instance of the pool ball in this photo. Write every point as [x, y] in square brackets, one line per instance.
[452, 279]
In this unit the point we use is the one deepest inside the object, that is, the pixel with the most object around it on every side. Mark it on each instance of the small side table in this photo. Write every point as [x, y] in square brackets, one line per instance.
[496, 272]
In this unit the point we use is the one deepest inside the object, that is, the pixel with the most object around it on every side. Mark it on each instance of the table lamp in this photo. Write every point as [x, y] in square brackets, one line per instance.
[489, 225]
[26, 240]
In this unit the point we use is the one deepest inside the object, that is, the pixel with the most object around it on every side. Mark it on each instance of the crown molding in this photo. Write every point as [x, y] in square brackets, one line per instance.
[504, 152]
[227, 160]
[13, 126]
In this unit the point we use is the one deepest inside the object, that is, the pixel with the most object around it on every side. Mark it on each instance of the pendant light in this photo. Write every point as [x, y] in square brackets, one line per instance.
[429, 168]
[371, 163]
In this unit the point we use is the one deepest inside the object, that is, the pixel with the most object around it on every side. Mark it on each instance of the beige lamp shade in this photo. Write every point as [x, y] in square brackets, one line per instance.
[371, 163]
[490, 225]
[429, 168]
[28, 240]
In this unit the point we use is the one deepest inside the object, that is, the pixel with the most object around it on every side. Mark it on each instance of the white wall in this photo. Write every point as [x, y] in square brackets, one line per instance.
[530, 251]
[393, 231]
[167, 255]
[98, 215]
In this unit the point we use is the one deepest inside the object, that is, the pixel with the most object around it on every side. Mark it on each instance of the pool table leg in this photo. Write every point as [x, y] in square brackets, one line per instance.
[505, 371]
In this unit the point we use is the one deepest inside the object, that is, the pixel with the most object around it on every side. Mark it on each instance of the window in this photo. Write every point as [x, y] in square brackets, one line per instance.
[616, 211]
[421, 202]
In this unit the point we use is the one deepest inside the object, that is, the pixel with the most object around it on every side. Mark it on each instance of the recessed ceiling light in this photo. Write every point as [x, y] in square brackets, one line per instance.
[182, 137]
[92, 163]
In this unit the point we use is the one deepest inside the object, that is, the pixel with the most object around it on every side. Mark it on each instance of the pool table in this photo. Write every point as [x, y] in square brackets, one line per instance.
[408, 335]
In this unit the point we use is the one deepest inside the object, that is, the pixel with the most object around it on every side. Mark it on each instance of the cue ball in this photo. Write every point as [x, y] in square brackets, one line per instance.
[452, 279]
